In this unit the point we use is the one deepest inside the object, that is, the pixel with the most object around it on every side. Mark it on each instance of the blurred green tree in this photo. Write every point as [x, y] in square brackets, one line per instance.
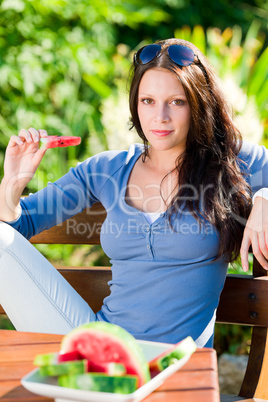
[56, 64]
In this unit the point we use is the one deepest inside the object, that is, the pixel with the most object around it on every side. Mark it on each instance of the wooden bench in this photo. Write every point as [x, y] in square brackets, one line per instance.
[244, 299]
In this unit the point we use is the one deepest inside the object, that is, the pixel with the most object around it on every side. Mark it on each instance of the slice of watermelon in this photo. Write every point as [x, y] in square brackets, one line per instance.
[100, 382]
[54, 141]
[184, 348]
[74, 367]
[52, 362]
[54, 358]
[45, 359]
[106, 367]
[104, 342]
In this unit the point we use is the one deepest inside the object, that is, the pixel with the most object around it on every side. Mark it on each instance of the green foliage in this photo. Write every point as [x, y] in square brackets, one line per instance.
[242, 64]
[56, 64]
[71, 255]
[5, 323]
[232, 338]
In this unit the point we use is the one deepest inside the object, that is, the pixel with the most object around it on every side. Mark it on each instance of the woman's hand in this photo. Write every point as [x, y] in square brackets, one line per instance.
[256, 234]
[23, 157]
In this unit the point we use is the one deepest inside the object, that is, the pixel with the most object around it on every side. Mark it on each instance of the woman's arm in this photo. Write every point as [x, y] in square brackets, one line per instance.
[22, 158]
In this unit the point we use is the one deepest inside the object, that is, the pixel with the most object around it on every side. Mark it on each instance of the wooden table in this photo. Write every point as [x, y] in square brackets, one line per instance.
[197, 381]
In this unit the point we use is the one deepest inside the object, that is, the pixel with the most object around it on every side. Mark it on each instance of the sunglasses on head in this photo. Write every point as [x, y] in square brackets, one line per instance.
[179, 54]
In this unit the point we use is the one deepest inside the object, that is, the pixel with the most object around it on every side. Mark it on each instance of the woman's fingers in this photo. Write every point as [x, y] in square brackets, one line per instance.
[263, 244]
[256, 234]
[259, 248]
[25, 135]
[246, 242]
[258, 252]
[31, 135]
[42, 133]
[14, 140]
[34, 133]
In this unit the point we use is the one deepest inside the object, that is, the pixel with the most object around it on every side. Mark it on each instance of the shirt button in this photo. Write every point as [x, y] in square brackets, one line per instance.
[148, 246]
[147, 229]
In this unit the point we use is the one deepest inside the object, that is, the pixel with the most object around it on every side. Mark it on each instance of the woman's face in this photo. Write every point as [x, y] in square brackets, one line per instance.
[163, 110]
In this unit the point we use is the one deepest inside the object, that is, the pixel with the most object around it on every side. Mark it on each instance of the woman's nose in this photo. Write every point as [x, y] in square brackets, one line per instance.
[161, 114]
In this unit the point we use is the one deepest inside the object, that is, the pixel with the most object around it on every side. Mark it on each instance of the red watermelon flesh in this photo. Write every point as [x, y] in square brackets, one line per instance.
[67, 357]
[55, 141]
[105, 342]
[106, 367]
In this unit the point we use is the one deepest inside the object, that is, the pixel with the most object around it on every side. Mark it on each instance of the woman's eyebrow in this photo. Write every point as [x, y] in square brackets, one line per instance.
[170, 96]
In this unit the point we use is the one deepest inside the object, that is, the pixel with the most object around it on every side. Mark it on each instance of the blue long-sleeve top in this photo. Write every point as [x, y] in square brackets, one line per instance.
[165, 283]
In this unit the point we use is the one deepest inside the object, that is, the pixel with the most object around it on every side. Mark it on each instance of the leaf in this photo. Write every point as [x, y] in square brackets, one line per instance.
[16, 5]
[97, 85]
[183, 33]
[259, 74]
[199, 38]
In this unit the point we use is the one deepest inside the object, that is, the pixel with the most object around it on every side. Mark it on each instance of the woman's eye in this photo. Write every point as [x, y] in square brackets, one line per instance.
[147, 101]
[178, 102]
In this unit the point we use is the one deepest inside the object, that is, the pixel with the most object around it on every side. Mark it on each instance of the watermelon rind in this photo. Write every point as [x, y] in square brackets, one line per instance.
[100, 382]
[184, 348]
[45, 359]
[117, 334]
[72, 367]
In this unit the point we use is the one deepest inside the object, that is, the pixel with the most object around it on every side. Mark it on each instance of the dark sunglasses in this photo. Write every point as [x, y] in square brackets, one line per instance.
[179, 54]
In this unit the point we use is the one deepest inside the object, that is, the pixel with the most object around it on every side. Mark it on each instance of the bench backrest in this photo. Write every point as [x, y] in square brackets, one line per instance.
[244, 299]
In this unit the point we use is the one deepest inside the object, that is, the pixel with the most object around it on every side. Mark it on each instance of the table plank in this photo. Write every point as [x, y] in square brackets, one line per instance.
[20, 394]
[19, 353]
[184, 396]
[198, 380]
[204, 359]
[8, 337]
[15, 370]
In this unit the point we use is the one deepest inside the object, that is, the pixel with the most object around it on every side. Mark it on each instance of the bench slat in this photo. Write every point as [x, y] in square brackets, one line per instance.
[83, 228]
[243, 299]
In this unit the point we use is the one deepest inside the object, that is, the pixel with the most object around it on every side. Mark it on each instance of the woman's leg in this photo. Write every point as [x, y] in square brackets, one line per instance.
[34, 295]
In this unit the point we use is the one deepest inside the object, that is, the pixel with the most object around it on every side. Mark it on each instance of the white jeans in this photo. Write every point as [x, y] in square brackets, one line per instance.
[34, 295]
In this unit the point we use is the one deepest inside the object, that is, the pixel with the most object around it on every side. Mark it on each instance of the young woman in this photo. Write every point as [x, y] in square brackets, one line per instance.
[178, 209]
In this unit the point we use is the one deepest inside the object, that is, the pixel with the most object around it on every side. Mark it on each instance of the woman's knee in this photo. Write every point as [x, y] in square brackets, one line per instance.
[13, 243]
[7, 235]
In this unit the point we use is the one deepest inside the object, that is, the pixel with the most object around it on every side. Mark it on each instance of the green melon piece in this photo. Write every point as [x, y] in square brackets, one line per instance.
[106, 342]
[100, 382]
[186, 347]
[45, 359]
[55, 358]
[74, 367]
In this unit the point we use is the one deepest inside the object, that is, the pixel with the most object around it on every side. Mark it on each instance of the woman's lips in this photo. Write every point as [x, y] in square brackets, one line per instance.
[161, 133]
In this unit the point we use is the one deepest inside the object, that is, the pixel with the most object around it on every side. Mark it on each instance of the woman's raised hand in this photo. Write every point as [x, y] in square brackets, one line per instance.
[256, 234]
[23, 157]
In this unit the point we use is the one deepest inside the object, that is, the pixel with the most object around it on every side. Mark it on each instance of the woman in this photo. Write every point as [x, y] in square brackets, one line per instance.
[176, 209]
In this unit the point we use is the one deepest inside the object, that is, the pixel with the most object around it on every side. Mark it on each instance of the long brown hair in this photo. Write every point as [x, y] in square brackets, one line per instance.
[210, 160]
